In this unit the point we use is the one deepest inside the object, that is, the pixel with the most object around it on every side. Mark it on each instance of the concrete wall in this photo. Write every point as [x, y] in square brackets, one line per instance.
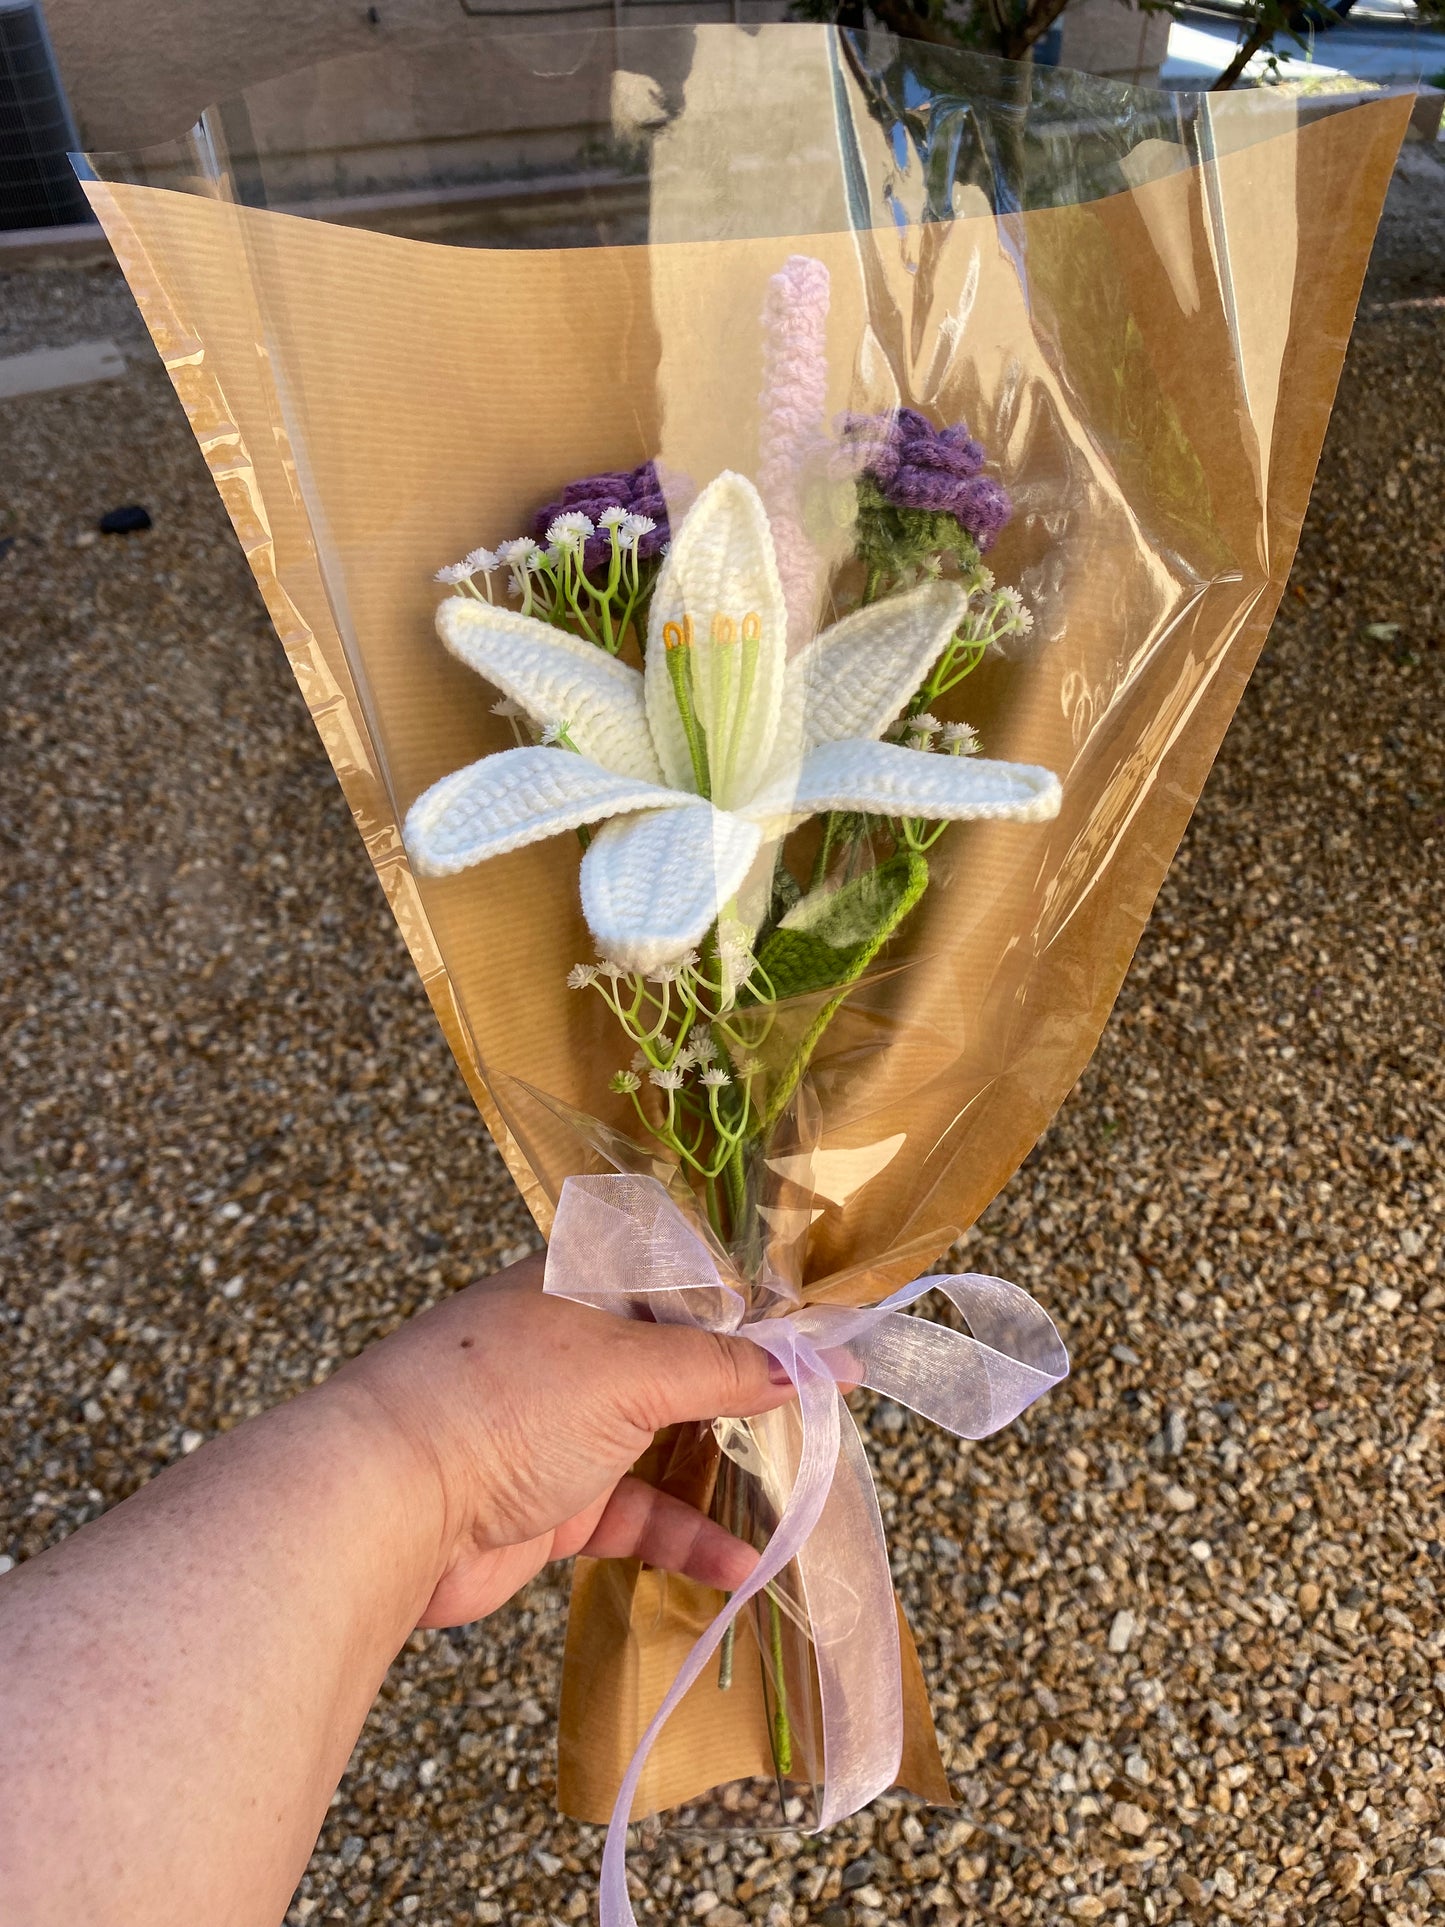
[138, 72]
[1113, 38]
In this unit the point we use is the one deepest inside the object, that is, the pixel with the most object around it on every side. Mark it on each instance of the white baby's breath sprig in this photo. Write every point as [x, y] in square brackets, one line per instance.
[960, 739]
[1013, 613]
[458, 575]
[921, 730]
[624, 1083]
[669, 1079]
[674, 972]
[632, 528]
[715, 1077]
[523, 560]
[701, 1044]
[570, 530]
[582, 976]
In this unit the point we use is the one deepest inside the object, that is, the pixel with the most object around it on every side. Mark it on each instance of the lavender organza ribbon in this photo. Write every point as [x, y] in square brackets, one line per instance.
[621, 1244]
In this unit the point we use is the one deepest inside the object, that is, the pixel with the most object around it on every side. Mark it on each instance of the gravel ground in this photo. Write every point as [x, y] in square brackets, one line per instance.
[1182, 1624]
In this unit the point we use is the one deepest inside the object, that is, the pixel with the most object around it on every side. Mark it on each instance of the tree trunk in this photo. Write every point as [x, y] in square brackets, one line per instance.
[1244, 53]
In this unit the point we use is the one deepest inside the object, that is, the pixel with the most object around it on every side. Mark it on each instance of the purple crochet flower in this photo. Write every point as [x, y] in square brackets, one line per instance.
[637, 490]
[918, 466]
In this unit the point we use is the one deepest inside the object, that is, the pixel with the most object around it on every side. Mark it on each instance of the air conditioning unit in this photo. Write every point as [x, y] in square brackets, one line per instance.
[37, 187]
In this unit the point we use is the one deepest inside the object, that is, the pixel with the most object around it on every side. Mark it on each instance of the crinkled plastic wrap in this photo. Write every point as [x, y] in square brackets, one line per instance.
[1137, 304]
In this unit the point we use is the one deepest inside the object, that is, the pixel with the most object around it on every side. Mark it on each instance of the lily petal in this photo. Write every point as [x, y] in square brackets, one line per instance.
[720, 598]
[653, 884]
[855, 678]
[888, 780]
[557, 678]
[515, 797]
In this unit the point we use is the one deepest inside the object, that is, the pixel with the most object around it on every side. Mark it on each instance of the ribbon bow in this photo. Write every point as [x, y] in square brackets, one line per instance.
[621, 1239]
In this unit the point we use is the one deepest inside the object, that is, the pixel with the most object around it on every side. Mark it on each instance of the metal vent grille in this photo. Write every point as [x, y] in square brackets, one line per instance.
[37, 187]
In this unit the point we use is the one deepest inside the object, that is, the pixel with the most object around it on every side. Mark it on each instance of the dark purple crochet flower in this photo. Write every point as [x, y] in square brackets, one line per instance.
[637, 490]
[918, 466]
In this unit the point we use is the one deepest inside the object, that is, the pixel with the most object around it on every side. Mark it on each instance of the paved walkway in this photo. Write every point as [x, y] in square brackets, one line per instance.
[1201, 46]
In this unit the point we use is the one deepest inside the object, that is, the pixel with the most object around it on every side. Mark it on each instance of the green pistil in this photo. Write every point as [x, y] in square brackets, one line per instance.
[679, 668]
[748, 648]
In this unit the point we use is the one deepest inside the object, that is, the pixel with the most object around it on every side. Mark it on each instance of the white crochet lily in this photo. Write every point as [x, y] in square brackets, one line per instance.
[722, 742]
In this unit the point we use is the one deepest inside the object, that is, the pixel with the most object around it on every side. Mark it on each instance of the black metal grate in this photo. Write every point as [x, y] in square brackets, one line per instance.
[37, 186]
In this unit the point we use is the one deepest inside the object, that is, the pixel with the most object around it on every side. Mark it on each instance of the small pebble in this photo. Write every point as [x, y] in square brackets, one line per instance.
[1130, 1819]
[129, 520]
[1121, 1630]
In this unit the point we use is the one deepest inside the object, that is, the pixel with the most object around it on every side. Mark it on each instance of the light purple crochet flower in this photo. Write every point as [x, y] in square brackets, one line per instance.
[918, 466]
[637, 490]
[790, 425]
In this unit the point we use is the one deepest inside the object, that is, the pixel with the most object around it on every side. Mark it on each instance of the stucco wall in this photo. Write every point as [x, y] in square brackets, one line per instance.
[1113, 38]
[139, 71]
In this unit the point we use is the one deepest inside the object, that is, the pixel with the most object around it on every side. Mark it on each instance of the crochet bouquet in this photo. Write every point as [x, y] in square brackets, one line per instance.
[886, 472]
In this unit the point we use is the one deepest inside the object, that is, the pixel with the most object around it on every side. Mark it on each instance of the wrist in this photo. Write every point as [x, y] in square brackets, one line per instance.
[402, 1480]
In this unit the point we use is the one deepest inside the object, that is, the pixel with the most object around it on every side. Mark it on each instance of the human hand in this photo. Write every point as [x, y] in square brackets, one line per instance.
[525, 1412]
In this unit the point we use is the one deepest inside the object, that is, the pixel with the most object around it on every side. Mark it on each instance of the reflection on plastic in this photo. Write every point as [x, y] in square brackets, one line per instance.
[1128, 300]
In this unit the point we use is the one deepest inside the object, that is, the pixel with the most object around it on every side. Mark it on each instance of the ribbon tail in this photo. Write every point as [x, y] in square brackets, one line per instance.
[849, 1591]
[817, 1460]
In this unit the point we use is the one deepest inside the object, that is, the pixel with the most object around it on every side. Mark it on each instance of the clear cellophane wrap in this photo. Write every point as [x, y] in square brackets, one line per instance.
[1139, 305]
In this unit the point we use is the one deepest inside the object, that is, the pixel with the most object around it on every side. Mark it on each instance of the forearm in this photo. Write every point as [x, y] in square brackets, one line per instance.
[184, 1680]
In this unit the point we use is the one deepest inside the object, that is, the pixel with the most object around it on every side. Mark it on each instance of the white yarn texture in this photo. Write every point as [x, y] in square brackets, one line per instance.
[786, 738]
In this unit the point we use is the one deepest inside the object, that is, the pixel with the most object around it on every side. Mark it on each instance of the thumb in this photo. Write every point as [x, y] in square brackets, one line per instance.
[699, 1374]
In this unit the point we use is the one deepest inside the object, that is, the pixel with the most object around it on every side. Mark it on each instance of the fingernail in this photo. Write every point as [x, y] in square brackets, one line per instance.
[778, 1372]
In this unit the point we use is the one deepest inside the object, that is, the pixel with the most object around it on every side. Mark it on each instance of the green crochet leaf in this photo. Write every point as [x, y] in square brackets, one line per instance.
[834, 937]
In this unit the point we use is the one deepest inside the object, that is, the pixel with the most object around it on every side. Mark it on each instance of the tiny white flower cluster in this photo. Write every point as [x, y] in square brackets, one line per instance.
[919, 731]
[582, 976]
[558, 583]
[925, 732]
[458, 575]
[573, 530]
[995, 613]
[1018, 617]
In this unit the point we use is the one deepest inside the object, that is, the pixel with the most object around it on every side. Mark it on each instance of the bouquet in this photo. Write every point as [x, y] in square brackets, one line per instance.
[875, 536]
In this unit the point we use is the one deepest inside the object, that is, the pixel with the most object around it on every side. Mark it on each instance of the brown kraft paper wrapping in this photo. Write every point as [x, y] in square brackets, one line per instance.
[370, 406]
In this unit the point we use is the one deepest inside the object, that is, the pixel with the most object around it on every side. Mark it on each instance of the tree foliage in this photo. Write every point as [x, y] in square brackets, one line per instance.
[1012, 28]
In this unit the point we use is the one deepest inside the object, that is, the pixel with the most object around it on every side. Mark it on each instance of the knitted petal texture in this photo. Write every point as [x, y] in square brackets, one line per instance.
[855, 678]
[888, 780]
[518, 796]
[791, 424]
[719, 597]
[653, 885]
[557, 678]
